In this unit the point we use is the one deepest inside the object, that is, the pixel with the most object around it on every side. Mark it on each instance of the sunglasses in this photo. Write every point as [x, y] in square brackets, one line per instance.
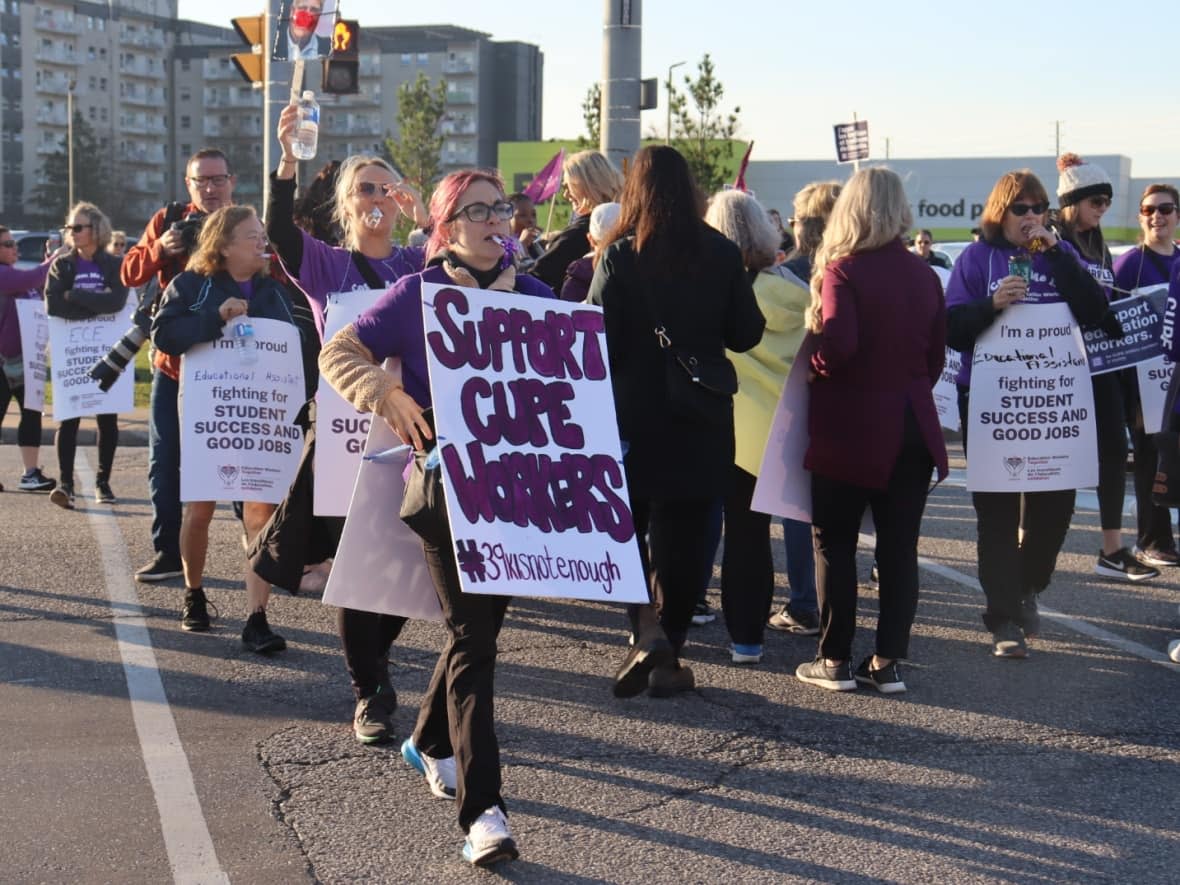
[481, 212]
[8, 244]
[75, 228]
[372, 189]
[215, 180]
[1161, 208]
[1099, 202]
[1022, 209]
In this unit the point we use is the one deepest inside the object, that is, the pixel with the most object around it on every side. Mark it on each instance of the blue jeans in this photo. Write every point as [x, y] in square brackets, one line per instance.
[800, 565]
[164, 464]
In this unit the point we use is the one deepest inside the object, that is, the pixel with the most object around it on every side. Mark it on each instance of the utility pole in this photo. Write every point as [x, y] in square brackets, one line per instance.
[668, 130]
[70, 142]
[622, 54]
[1057, 148]
[886, 147]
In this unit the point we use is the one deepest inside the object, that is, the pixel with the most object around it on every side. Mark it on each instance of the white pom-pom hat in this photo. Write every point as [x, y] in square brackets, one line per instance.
[1079, 180]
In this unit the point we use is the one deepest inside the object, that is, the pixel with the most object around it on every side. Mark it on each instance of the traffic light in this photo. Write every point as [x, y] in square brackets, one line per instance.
[249, 64]
[342, 66]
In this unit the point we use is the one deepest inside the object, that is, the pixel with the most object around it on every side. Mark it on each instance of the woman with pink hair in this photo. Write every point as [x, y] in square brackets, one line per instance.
[454, 742]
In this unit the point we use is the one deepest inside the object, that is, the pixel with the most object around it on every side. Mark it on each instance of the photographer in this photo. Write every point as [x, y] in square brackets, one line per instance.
[162, 252]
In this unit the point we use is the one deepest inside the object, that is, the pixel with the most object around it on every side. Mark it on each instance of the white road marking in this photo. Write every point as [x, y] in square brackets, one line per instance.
[186, 835]
[1076, 624]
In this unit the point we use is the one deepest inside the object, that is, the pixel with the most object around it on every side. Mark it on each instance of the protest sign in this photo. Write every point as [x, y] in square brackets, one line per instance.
[531, 460]
[379, 565]
[784, 486]
[238, 437]
[946, 391]
[1031, 421]
[341, 430]
[75, 346]
[34, 346]
[1142, 319]
[1155, 375]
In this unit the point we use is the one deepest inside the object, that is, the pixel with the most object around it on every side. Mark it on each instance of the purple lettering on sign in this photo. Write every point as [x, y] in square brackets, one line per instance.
[516, 410]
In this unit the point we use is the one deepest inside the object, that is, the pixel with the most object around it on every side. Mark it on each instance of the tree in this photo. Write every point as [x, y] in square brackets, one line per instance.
[417, 151]
[701, 129]
[592, 114]
[93, 178]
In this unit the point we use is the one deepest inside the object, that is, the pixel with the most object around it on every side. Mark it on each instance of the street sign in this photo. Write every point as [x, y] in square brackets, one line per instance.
[852, 141]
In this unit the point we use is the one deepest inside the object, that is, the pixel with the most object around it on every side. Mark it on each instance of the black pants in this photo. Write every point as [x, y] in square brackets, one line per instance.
[1010, 569]
[367, 638]
[1154, 522]
[28, 431]
[66, 442]
[674, 556]
[1111, 429]
[457, 713]
[747, 564]
[837, 508]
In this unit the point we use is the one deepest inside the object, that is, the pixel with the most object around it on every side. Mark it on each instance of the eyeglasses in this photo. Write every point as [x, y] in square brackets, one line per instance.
[1022, 209]
[214, 180]
[1099, 202]
[8, 244]
[481, 212]
[120, 242]
[1161, 208]
[372, 189]
[75, 228]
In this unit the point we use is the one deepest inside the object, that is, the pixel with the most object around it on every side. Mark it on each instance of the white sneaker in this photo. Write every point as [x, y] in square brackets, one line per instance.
[489, 840]
[439, 773]
[1174, 650]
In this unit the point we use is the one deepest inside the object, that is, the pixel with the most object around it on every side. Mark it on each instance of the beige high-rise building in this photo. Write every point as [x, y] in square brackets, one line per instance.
[155, 88]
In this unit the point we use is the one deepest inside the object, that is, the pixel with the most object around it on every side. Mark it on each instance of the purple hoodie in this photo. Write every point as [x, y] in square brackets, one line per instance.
[16, 284]
[977, 274]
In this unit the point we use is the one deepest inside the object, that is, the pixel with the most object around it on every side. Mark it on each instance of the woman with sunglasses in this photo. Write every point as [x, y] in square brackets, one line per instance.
[369, 196]
[84, 283]
[1019, 533]
[454, 742]
[1152, 264]
[1084, 193]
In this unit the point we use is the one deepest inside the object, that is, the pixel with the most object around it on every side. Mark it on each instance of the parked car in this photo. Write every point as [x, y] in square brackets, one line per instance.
[30, 246]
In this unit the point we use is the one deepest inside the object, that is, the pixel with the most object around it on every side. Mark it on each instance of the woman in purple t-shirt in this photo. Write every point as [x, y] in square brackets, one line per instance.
[81, 284]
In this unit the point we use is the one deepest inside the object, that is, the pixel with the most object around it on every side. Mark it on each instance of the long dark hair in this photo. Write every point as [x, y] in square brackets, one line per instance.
[314, 211]
[662, 206]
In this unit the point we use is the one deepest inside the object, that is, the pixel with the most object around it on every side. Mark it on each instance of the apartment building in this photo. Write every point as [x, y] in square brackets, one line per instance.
[156, 88]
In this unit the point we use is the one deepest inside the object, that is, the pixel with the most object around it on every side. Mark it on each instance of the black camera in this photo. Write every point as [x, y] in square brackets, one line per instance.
[108, 369]
[189, 229]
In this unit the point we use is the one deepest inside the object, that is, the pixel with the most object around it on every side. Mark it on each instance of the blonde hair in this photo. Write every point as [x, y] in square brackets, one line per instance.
[598, 179]
[813, 205]
[100, 224]
[871, 211]
[742, 219]
[216, 232]
[345, 182]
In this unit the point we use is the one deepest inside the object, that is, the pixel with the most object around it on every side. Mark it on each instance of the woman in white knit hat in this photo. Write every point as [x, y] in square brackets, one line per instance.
[1084, 193]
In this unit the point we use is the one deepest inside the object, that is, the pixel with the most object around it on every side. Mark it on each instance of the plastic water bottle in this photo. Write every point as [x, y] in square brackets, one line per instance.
[307, 132]
[244, 344]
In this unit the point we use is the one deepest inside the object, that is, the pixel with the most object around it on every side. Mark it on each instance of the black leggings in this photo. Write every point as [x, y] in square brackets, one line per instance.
[66, 443]
[1111, 430]
[28, 432]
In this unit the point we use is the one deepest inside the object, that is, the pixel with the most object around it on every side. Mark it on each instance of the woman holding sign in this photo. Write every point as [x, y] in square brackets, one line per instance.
[454, 742]
[84, 283]
[1018, 258]
[226, 278]
[1151, 265]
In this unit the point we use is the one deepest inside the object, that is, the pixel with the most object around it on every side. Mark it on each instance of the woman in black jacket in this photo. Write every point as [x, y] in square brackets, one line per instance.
[675, 274]
[226, 278]
[82, 284]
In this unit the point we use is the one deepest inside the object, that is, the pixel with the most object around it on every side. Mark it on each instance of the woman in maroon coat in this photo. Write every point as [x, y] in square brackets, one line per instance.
[879, 330]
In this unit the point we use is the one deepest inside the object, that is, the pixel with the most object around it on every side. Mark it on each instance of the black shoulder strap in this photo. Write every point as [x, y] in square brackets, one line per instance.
[366, 271]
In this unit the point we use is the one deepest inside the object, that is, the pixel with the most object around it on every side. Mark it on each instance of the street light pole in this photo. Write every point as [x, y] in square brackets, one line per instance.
[668, 129]
[70, 142]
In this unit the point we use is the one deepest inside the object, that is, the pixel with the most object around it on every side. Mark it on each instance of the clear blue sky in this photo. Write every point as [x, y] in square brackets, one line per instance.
[940, 80]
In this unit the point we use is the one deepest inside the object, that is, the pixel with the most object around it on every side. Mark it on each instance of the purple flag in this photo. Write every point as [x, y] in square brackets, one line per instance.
[546, 182]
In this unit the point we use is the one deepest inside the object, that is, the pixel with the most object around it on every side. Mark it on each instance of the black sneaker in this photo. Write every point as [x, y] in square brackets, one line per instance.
[63, 496]
[103, 493]
[259, 638]
[194, 617]
[1008, 641]
[702, 614]
[1122, 565]
[163, 567]
[834, 678]
[1029, 619]
[36, 481]
[887, 680]
[647, 654]
[797, 621]
[372, 722]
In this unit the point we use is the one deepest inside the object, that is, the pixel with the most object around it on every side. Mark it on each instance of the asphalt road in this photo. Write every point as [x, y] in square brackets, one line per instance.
[133, 752]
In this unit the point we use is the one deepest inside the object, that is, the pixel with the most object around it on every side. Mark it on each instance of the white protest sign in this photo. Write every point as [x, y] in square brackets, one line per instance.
[531, 461]
[1154, 377]
[340, 429]
[34, 345]
[238, 437]
[379, 565]
[1031, 421]
[946, 391]
[75, 346]
[784, 486]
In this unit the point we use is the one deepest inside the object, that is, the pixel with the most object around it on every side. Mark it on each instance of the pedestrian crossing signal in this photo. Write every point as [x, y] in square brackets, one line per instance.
[342, 66]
